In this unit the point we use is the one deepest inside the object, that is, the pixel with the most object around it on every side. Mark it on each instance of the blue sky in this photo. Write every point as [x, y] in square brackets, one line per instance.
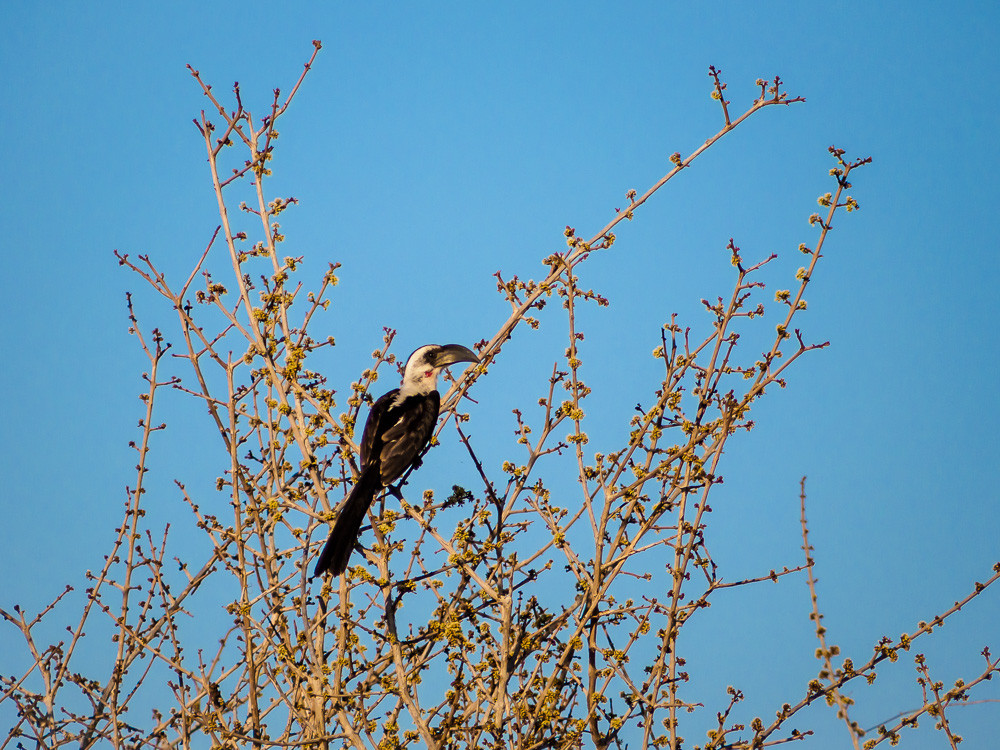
[444, 142]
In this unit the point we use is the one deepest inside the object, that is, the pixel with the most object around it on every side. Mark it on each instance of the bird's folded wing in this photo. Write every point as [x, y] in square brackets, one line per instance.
[404, 440]
[374, 426]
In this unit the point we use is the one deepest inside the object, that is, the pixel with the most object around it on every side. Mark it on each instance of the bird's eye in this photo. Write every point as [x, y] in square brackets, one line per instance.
[428, 373]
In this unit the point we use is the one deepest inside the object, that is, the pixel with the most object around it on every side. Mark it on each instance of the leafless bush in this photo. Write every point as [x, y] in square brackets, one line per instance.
[537, 617]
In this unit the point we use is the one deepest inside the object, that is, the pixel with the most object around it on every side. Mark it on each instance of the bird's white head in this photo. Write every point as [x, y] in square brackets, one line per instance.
[423, 366]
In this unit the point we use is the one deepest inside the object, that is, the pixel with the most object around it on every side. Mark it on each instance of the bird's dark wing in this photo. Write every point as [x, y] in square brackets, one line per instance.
[407, 431]
[372, 426]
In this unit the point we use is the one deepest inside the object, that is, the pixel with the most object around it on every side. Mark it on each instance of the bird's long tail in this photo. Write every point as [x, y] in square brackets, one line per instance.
[345, 531]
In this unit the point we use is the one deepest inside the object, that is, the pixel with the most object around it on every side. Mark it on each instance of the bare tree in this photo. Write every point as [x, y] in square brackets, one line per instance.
[538, 616]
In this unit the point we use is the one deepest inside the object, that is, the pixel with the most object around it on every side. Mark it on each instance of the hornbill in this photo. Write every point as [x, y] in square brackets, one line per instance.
[398, 430]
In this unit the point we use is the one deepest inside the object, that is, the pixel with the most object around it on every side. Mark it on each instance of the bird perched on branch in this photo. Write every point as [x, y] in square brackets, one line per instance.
[398, 430]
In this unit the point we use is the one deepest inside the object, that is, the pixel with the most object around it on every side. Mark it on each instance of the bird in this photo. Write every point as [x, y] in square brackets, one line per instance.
[398, 429]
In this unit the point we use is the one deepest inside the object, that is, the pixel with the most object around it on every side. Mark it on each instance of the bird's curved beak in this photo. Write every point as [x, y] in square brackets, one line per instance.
[449, 354]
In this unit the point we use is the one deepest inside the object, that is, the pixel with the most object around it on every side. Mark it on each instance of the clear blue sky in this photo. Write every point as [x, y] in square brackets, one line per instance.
[443, 142]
